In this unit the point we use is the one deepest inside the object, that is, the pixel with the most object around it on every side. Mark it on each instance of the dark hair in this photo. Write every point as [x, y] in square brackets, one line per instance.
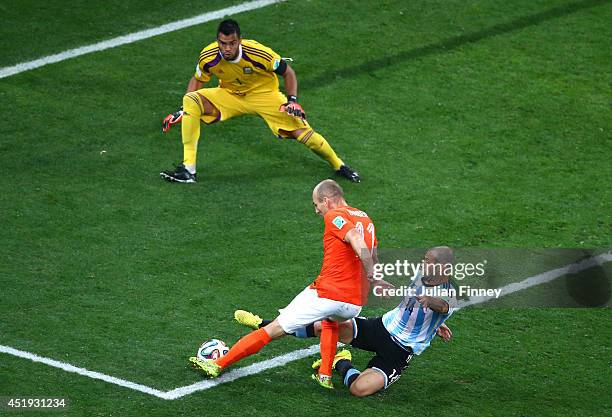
[228, 26]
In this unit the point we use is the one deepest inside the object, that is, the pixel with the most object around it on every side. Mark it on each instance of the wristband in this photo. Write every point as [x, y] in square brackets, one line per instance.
[292, 99]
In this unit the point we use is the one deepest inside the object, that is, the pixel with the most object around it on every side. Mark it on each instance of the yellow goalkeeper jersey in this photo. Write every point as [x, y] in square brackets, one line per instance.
[251, 71]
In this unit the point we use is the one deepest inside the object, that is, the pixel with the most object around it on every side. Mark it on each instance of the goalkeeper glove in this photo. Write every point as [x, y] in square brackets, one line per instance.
[172, 119]
[293, 108]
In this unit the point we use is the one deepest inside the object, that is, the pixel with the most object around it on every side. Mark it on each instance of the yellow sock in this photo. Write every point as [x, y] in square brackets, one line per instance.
[317, 143]
[190, 128]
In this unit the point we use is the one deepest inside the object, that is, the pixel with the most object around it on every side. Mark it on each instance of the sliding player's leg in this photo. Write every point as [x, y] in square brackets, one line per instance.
[361, 384]
[383, 369]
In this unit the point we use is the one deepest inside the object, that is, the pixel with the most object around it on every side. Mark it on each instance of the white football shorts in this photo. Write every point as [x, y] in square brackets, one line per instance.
[307, 307]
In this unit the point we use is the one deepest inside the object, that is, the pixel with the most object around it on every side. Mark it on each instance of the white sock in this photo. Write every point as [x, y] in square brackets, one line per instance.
[191, 168]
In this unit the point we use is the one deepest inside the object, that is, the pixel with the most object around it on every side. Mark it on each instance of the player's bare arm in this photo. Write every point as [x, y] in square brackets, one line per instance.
[436, 304]
[292, 107]
[375, 255]
[366, 256]
[291, 83]
[193, 85]
[362, 251]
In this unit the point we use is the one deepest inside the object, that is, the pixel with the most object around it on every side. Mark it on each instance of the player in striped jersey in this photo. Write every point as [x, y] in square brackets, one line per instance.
[395, 337]
[248, 84]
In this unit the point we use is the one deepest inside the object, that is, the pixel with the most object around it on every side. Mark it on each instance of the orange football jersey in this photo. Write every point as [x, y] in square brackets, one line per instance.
[342, 277]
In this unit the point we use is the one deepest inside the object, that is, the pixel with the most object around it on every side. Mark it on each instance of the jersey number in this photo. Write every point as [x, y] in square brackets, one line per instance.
[369, 229]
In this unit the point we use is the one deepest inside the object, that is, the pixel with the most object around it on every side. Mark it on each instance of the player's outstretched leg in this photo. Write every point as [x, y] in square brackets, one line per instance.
[319, 145]
[246, 346]
[207, 366]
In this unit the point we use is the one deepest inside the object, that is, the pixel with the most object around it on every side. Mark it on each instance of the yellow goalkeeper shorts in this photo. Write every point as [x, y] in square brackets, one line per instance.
[264, 104]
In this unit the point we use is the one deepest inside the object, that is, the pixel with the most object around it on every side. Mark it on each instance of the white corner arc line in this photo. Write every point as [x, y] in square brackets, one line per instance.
[297, 354]
[134, 37]
[81, 371]
[242, 372]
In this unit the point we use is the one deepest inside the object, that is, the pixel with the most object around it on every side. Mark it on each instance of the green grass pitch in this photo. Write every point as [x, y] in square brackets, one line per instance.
[473, 123]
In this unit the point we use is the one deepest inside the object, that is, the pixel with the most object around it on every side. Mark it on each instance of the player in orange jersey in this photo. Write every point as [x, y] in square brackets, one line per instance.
[396, 336]
[338, 293]
[248, 84]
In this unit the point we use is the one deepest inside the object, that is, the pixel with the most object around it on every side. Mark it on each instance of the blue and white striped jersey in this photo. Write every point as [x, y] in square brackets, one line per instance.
[412, 326]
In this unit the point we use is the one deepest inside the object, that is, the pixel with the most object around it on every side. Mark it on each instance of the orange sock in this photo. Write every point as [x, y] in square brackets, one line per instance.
[248, 345]
[329, 339]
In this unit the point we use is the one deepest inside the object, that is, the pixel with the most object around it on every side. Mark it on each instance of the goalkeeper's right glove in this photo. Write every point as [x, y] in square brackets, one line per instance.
[172, 119]
[293, 108]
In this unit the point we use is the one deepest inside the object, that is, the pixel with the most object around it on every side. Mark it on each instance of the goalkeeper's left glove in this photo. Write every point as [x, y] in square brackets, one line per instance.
[172, 119]
[293, 108]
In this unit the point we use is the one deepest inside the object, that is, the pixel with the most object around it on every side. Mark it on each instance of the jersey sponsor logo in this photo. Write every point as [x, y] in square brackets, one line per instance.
[275, 64]
[247, 70]
[339, 222]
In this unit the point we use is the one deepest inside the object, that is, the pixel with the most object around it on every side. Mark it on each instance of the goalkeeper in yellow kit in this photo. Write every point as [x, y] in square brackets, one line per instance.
[248, 84]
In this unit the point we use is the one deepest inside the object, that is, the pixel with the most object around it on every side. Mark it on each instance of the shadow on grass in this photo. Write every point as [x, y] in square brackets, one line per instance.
[449, 44]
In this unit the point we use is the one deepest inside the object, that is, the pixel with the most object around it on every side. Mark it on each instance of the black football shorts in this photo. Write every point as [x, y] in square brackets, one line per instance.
[390, 359]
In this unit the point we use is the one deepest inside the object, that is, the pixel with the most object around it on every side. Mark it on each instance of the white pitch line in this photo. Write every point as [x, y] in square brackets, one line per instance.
[542, 278]
[134, 37]
[81, 371]
[297, 354]
[242, 372]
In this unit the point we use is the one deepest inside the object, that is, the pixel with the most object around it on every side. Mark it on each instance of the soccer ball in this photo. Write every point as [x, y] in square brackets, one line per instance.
[212, 349]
